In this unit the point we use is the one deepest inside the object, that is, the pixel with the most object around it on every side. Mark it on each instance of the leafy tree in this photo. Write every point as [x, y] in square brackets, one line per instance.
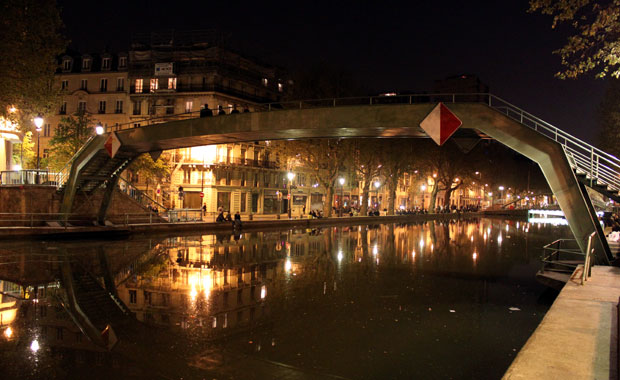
[72, 133]
[151, 171]
[596, 39]
[24, 152]
[609, 119]
[367, 166]
[325, 158]
[396, 159]
[447, 164]
[31, 41]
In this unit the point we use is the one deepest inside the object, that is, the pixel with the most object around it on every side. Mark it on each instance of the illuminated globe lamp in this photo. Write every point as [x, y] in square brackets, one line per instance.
[38, 123]
[341, 181]
[290, 176]
[99, 130]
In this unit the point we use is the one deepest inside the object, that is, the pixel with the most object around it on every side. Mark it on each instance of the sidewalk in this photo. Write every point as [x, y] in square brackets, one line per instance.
[578, 338]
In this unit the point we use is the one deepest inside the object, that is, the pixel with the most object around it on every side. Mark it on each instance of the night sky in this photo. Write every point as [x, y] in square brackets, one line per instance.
[387, 46]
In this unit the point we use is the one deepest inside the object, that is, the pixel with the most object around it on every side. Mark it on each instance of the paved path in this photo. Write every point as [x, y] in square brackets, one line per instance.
[578, 338]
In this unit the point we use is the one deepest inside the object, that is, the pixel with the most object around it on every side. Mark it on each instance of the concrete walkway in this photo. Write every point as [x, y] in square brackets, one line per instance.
[578, 338]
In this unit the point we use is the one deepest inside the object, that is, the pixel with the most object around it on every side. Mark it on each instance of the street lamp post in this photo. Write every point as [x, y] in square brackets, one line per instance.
[377, 185]
[38, 122]
[290, 176]
[423, 188]
[341, 180]
[501, 194]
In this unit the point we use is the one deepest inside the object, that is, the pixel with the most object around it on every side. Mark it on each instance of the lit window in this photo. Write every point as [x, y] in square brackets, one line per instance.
[86, 64]
[280, 88]
[188, 106]
[172, 83]
[64, 85]
[265, 82]
[105, 63]
[154, 84]
[122, 62]
[139, 84]
[66, 65]
[120, 84]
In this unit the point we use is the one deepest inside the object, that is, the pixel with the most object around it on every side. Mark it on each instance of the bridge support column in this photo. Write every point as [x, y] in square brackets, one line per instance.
[107, 199]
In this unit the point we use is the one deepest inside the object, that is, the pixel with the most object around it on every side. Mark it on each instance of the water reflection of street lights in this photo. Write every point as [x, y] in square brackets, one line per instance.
[290, 176]
[341, 180]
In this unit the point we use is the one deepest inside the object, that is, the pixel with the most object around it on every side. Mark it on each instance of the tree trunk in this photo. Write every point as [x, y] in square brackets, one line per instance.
[392, 198]
[329, 200]
[446, 197]
[364, 203]
[431, 206]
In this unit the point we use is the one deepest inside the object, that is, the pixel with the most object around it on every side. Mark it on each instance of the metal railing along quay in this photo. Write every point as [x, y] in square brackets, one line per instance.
[28, 177]
[560, 256]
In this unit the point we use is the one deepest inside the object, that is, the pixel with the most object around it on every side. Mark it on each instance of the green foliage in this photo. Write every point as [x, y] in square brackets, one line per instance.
[71, 134]
[155, 171]
[31, 41]
[595, 44]
[24, 153]
[609, 119]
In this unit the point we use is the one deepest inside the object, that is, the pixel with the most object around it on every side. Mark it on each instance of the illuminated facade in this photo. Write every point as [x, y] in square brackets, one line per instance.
[92, 83]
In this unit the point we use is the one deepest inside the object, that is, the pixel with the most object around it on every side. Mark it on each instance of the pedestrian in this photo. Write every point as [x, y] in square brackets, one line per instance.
[228, 217]
[204, 209]
[237, 222]
[220, 217]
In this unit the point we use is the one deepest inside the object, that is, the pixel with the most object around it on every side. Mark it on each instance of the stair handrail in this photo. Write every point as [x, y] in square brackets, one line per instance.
[66, 170]
[571, 144]
[139, 195]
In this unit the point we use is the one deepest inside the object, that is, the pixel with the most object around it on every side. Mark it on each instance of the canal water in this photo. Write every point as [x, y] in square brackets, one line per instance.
[434, 300]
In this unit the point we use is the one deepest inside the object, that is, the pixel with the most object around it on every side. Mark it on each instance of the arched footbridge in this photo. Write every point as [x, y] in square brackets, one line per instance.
[568, 163]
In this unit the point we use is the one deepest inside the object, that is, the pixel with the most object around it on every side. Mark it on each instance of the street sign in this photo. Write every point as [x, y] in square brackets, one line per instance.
[202, 195]
[112, 144]
[440, 124]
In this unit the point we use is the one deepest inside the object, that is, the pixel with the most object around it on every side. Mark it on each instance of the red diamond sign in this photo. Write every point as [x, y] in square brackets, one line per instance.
[440, 124]
[112, 144]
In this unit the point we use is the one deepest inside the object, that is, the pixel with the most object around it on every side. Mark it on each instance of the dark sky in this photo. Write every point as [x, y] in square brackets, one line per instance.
[388, 46]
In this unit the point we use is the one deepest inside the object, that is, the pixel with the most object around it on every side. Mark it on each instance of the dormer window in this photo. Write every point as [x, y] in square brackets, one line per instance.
[122, 62]
[86, 64]
[66, 64]
[265, 82]
[280, 88]
[105, 63]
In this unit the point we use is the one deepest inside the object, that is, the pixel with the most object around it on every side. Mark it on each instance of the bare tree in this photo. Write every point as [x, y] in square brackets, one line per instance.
[367, 165]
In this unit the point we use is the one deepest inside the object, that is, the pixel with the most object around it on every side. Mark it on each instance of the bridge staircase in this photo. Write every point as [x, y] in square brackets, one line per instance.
[92, 168]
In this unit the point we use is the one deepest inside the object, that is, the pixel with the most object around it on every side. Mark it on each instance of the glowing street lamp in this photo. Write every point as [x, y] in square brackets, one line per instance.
[290, 176]
[99, 130]
[423, 188]
[501, 189]
[341, 180]
[38, 122]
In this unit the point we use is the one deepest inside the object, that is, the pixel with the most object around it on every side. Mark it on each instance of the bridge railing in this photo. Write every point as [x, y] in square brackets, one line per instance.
[139, 196]
[583, 157]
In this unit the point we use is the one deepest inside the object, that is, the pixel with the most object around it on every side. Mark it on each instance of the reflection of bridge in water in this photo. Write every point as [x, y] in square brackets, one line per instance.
[200, 289]
[567, 162]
